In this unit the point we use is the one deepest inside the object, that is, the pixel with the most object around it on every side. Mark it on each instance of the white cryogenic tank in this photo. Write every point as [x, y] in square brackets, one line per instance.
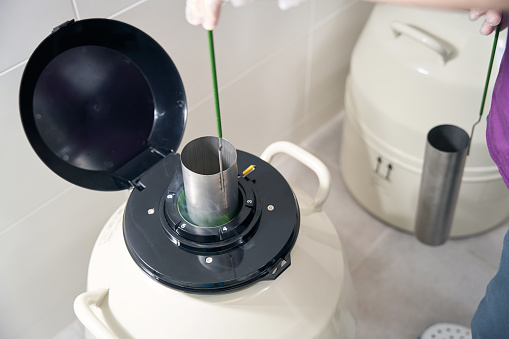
[312, 298]
[104, 107]
[411, 70]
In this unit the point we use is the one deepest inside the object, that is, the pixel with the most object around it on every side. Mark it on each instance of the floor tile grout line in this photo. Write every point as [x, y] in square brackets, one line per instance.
[313, 151]
[328, 163]
[74, 330]
[44, 205]
[374, 245]
[304, 121]
[340, 116]
[473, 256]
[306, 143]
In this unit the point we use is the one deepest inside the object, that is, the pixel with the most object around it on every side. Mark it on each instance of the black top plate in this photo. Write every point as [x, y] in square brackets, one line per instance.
[257, 251]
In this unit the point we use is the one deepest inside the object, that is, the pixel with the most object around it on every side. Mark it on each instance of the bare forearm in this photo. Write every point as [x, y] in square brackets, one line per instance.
[454, 4]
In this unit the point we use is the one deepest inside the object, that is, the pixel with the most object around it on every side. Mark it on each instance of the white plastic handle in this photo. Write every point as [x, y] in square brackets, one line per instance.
[84, 313]
[445, 52]
[315, 164]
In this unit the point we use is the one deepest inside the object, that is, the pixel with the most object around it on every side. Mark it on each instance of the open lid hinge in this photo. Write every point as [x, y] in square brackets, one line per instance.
[156, 151]
[133, 171]
[137, 184]
[62, 25]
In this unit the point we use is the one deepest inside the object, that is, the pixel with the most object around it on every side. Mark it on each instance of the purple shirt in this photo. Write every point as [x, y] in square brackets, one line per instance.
[491, 319]
[497, 130]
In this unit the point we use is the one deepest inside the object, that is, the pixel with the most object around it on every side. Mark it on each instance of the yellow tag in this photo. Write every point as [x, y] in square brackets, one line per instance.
[247, 170]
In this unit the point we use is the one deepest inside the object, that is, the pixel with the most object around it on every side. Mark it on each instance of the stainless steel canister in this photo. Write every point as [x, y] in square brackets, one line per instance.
[444, 161]
[207, 203]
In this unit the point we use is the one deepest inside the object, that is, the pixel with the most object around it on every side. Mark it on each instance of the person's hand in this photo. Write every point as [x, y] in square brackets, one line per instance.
[492, 18]
[204, 12]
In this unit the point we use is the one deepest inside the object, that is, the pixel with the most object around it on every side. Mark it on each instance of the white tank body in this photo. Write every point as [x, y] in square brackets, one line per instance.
[413, 69]
[313, 298]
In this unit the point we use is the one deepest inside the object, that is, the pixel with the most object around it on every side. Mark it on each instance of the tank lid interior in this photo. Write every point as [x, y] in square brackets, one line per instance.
[101, 102]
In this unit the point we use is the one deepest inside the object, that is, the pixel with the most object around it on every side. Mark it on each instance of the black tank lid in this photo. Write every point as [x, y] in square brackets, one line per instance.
[101, 102]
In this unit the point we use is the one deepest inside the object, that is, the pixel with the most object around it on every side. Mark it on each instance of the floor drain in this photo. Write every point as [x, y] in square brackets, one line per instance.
[446, 331]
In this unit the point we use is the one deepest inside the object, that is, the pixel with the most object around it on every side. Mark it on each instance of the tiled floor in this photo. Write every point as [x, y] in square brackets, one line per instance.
[402, 286]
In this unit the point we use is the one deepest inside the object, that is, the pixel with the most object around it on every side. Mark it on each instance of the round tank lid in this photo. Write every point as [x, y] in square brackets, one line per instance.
[101, 102]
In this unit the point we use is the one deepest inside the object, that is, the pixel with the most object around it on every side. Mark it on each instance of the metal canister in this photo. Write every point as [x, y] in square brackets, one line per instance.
[444, 161]
[211, 200]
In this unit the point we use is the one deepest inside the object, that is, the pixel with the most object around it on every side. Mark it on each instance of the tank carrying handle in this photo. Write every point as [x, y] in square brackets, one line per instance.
[82, 309]
[306, 158]
[435, 44]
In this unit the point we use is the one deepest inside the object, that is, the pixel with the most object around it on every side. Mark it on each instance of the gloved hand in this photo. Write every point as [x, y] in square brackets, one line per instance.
[492, 18]
[206, 12]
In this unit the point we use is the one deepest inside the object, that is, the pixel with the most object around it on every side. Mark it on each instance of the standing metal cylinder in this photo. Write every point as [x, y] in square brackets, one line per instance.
[207, 203]
[444, 161]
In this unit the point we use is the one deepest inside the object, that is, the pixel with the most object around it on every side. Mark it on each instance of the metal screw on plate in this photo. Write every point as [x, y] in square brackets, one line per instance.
[208, 260]
[151, 211]
[270, 208]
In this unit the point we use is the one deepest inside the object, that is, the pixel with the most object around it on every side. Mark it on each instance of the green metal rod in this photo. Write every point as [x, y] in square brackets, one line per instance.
[218, 113]
[486, 84]
[493, 49]
[214, 84]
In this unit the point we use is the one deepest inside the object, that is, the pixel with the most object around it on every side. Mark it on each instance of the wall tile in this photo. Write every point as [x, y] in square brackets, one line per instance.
[325, 143]
[55, 319]
[333, 42]
[324, 8]
[24, 24]
[27, 182]
[260, 108]
[244, 37]
[100, 8]
[10, 121]
[44, 261]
